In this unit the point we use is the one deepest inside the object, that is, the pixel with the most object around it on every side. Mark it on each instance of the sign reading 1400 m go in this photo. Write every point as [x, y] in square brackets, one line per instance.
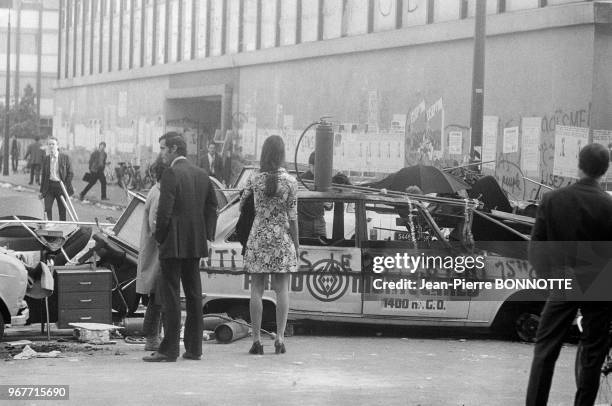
[328, 280]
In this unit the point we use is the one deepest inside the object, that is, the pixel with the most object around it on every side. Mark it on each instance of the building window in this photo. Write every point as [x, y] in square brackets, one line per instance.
[268, 24]
[216, 27]
[201, 28]
[233, 26]
[310, 21]
[288, 22]
[332, 19]
[161, 32]
[249, 23]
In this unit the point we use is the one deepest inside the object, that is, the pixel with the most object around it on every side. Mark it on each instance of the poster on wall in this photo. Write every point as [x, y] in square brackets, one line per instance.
[568, 142]
[415, 132]
[455, 142]
[511, 136]
[604, 137]
[530, 146]
[434, 139]
[490, 129]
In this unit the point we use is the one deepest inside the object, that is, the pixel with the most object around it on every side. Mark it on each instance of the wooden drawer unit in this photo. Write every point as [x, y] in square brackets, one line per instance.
[84, 295]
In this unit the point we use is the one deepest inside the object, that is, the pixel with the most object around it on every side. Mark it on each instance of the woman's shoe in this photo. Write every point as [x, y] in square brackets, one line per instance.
[279, 348]
[256, 348]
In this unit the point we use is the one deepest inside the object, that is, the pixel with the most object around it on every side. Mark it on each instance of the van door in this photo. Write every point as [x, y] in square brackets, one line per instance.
[404, 260]
[329, 260]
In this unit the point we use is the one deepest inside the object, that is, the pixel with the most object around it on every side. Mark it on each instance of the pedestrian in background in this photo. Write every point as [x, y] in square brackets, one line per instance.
[35, 156]
[56, 169]
[570, 240]
[273, 243]
[97, 164]
[212, 162]
[15, 153]
[149, 268]
[186, 218]
[311, 215]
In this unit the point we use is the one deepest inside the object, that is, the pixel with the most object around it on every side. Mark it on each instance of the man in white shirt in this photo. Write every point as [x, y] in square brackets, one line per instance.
[55, 170]
[212, 162]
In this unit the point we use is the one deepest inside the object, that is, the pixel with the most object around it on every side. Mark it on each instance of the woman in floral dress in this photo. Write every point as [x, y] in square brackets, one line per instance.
[273, 242]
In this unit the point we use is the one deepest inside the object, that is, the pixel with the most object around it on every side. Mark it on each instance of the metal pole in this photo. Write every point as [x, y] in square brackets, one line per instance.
[478, 74]
[7, 100]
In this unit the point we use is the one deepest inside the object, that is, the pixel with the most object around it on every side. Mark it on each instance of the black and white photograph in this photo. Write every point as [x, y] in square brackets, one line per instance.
[306, 202]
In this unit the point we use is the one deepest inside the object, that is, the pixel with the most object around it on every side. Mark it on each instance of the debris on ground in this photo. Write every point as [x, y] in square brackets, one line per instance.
[29, 353]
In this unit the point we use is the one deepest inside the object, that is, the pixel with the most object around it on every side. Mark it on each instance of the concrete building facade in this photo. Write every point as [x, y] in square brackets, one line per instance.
[395, 76]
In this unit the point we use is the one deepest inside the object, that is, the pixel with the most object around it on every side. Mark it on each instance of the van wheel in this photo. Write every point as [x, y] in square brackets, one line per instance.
[526, 326]
[1, 327]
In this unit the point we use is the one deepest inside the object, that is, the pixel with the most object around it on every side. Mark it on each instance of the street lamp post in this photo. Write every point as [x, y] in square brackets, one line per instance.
[7, 100]
[478, 73]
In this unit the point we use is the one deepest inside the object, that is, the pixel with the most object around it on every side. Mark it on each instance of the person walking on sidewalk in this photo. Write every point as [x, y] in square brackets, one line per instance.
[56, 168]
[149, 269]
[15, 152]
[186, 219]
[97, 163]
[35, 155]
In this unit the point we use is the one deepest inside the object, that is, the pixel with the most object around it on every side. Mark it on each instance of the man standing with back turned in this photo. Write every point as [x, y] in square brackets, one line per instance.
[186, 218]
[571, 239]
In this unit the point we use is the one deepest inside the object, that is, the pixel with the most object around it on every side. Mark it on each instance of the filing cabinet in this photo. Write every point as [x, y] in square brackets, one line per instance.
[83, 295]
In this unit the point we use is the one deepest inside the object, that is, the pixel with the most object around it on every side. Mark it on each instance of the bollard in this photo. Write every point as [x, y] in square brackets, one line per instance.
[231, 331]
[324, 156]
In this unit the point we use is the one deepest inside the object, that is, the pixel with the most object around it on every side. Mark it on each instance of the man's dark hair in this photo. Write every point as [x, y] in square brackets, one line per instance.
[175, 139]
[594, 160]
[311, 159]
[37, 138]
[102, 143]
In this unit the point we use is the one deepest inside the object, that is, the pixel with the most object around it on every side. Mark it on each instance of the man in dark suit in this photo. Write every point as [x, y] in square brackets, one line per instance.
[186, 218]
[212, 162]
[35, 155]
[56, 168]
[570, 239]
[97, 163]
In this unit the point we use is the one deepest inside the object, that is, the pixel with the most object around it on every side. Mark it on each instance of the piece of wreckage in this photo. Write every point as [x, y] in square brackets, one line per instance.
[30, 248]
[365, 223]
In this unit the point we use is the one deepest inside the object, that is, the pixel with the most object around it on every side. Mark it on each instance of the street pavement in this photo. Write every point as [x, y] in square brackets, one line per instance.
[118, 198]
[316, 370]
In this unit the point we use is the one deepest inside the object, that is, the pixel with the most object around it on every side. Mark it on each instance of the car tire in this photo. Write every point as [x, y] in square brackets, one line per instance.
[1, 327]
[526, 326]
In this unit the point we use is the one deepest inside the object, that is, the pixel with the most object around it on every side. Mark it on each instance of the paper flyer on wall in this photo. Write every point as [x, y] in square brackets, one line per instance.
[568, 142]
[531, 129]
[490, 129]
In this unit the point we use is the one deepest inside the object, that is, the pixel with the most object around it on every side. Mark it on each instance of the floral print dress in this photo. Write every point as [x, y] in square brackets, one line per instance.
[270, 247]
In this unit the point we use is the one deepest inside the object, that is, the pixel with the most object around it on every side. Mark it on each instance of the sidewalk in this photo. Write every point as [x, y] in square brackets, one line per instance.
[116, 195]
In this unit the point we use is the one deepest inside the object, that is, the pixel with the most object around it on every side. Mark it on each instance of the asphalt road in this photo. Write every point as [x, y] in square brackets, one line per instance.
[316, 370]
[86, 211]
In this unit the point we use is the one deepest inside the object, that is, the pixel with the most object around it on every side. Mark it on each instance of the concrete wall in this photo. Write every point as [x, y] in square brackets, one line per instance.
[551, 63]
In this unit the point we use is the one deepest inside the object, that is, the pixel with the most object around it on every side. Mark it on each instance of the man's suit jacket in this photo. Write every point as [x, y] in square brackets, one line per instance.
[35, 153]
[187, 212]
[93, 161]
[64, 169]
[573, 228]
[218, 166]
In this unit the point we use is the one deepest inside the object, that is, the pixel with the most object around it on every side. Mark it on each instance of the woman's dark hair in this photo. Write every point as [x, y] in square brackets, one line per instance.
[158, 168]
[271, 160]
